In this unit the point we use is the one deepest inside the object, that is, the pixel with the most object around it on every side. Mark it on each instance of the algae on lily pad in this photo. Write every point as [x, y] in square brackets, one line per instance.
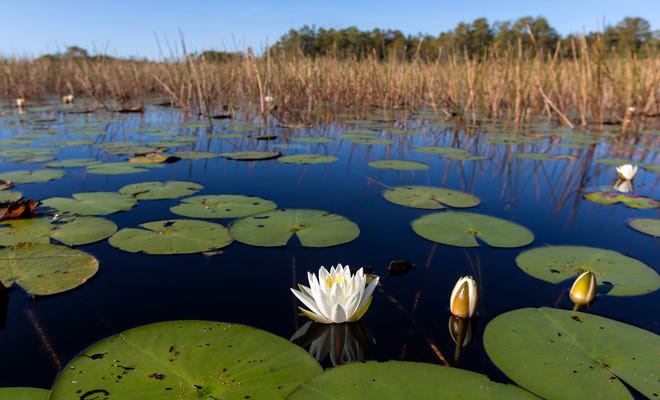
[650, 226]
[561, 354]
[23, 393]
[73, 162]
[251, 155]
[630, 200]
[429, 197]
[399, 165]
[188, 360]
[91, 203]
[177, 236]
[314, 228]
[161, 190]
[403, 380]
[616, 274]
[463, 228]
[222, 206]
[42, 269]
[39, 175]
[307, 159]
[72, 231]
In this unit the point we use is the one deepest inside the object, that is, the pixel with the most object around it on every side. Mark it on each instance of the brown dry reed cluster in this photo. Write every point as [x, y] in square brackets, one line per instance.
[593, 85]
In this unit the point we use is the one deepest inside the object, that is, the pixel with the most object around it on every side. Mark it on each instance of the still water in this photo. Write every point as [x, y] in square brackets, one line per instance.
[408, 319]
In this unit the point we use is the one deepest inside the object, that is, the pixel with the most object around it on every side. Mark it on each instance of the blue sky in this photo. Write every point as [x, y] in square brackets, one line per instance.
[129, 28]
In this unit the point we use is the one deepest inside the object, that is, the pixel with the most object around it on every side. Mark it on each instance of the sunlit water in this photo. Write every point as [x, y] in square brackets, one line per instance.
[408, 319]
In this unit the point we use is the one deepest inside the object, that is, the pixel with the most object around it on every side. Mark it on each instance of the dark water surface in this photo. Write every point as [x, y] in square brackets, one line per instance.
[250, 285]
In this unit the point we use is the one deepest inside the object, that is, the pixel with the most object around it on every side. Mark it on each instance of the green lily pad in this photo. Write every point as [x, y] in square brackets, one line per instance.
[370, 140]
[655, 168]
[560, 354]
[307, 159]
[73, 162]
[68, 143]
[160, 190]
[617, 274]
[536, 156]
[614, 161]
[187, 360]
[30, 159]
[429, 197]
[9, 196]
[314, 228]
[116, 168]
[462, 228]
[630, 200]
[399, 165]
[43, 269]
[27, 152]
[23, 393]
[251, 155]
[650, 226]
[400, 380]
[313, 139]
[358, 136]
[178, 236]
[440, 150]
[222, 206]
[195, 155]
[73, 231]
[225, 136]
[39, 175]
[91, 203]
[117, 145]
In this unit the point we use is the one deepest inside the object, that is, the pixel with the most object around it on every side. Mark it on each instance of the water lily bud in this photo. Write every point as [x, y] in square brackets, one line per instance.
[464, 298]
[20, 102]
[583, 290]
[460, 330]
[627, 171]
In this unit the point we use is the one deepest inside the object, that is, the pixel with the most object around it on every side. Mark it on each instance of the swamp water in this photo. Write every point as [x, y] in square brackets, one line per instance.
[536, 177]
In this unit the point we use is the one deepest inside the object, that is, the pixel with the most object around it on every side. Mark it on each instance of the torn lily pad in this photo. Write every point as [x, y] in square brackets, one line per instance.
[222, 206]
[161, 190]
[429, 197]
[91, 203]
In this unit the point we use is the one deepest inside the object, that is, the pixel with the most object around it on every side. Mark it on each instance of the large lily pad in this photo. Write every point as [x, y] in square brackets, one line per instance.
[43, 269]
[187, 360]
[91, 203]
[314, 228]
[251, 155]
[222, 206]
[307, 159]
[650, 226]
[399, 165]
[23, 393]
[39, 175]
[73, 231]
[160, 190]
[560, 354]
[630, 200]
[178, 236]
[429, 197]
[463, 228]
[397, 380]
[616, 274]
[73, 162]
[116, 168]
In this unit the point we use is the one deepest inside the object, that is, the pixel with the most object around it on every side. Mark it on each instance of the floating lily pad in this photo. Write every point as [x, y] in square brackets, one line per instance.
[30, 159]
[398, 380]
[429, 197]
[440, 150]
[313, 139]
[27, 152]
[225, 136]
[222, 206]
[73, 231]
[39, 175]
[359, 136]
[560, 354]
[650, 226]
[67, 143]
[399, 165]
[314, 228]
[91, 203]
[9, 196]
[178, 236]
[251, 155]
[536, 156]
[655, 168]
[160, 190]
[23, 393]
[43, 269]
[462, 228]
[630, 200]
[614, 161]
[186, 360]
[195, 155]
[370, 140]
[307, 159]
[117, 145]
[73, 162]
[616, 274]
[116, 168]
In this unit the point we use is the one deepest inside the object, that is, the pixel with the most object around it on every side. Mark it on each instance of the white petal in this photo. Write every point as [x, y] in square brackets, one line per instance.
[308, 302]
[338, 314]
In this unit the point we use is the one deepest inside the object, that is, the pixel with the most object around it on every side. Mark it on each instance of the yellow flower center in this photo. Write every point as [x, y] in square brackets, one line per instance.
[339, 280]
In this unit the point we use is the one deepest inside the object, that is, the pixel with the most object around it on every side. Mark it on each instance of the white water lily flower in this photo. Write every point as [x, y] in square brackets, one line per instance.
[336, 296]
[627, 171]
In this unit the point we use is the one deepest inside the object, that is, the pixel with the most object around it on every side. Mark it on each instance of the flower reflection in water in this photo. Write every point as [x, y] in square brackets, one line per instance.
[624, 186]
[460, 330]
[342, 343]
